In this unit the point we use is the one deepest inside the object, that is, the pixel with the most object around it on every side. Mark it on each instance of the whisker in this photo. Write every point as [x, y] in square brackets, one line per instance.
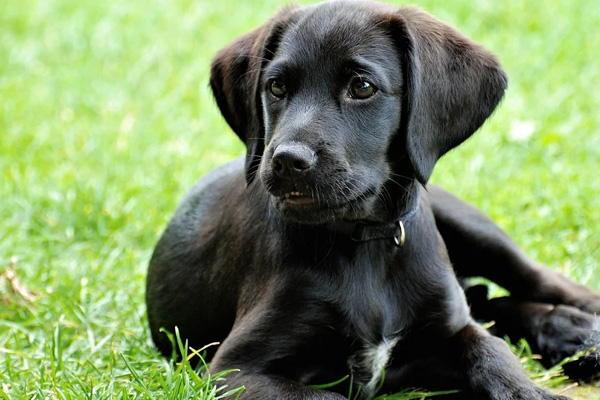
[250, 71]
[268, 50]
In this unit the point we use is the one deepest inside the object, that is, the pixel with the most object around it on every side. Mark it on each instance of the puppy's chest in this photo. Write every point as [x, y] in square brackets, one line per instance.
[374, 315]
[368, 364]
[376, 324]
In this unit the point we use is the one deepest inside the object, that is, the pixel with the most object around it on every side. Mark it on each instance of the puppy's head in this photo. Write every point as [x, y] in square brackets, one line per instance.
[337, 101]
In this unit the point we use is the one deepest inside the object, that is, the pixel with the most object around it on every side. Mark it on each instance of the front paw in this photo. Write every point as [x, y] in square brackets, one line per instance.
[494, 373]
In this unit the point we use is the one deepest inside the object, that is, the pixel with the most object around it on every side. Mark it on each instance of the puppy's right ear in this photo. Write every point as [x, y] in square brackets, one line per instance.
[451, 86]
[235, 78]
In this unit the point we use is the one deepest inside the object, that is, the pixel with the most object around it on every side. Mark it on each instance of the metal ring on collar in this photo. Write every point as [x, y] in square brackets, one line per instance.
[400, 238]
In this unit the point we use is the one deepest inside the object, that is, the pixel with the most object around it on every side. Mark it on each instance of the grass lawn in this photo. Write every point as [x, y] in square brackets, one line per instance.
[106, 120]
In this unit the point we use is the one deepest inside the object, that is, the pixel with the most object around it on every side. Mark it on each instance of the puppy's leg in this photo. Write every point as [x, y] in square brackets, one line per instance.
[473, 361]
[553, 331]
[277, 353]
[492, 371]
[478, 247]
[259, 379]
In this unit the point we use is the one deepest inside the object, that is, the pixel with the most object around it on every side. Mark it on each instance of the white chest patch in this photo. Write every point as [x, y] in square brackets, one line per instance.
[368, 364]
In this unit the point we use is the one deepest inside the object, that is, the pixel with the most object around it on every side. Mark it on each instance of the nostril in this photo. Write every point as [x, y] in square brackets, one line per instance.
[301, 165]
[277, 165]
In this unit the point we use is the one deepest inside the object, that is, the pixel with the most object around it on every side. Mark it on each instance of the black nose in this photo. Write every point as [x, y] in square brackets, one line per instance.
[292, 159]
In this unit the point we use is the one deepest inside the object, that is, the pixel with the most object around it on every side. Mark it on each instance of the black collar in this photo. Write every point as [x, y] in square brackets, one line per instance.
[362, 231]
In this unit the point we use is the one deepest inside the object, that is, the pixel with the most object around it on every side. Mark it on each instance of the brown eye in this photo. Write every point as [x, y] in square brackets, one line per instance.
[277, 88]
[361, 89]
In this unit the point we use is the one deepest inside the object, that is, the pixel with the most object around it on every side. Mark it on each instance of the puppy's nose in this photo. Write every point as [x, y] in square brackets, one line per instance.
[294, 158]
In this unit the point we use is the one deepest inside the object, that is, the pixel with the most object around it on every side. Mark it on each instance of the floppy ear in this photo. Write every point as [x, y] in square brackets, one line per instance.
[235, 81]
[451, 86]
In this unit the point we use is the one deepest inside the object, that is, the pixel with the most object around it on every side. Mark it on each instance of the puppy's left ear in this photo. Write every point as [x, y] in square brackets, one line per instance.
[235, 78]
[451, 86]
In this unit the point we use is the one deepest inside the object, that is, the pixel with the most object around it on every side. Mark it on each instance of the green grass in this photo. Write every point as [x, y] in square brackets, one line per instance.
[106, 120]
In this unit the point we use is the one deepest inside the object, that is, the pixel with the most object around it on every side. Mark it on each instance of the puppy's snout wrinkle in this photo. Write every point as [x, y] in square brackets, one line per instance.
[293, 159]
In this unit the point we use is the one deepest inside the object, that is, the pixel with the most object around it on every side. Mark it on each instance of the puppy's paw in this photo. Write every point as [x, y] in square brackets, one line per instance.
[586, 364]
[555, 332]
[565, 332]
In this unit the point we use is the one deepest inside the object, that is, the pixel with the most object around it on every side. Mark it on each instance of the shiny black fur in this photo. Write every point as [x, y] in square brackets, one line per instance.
[257, 256]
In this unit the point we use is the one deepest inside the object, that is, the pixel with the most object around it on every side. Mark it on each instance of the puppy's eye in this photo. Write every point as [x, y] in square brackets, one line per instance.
[277, 88]
[361, 89]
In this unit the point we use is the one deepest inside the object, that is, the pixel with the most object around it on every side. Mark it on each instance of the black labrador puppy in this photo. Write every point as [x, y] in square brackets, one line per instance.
[324, 253]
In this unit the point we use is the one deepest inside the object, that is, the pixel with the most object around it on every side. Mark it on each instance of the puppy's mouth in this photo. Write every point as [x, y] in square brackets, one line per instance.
[309, 209]
[297, 199]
